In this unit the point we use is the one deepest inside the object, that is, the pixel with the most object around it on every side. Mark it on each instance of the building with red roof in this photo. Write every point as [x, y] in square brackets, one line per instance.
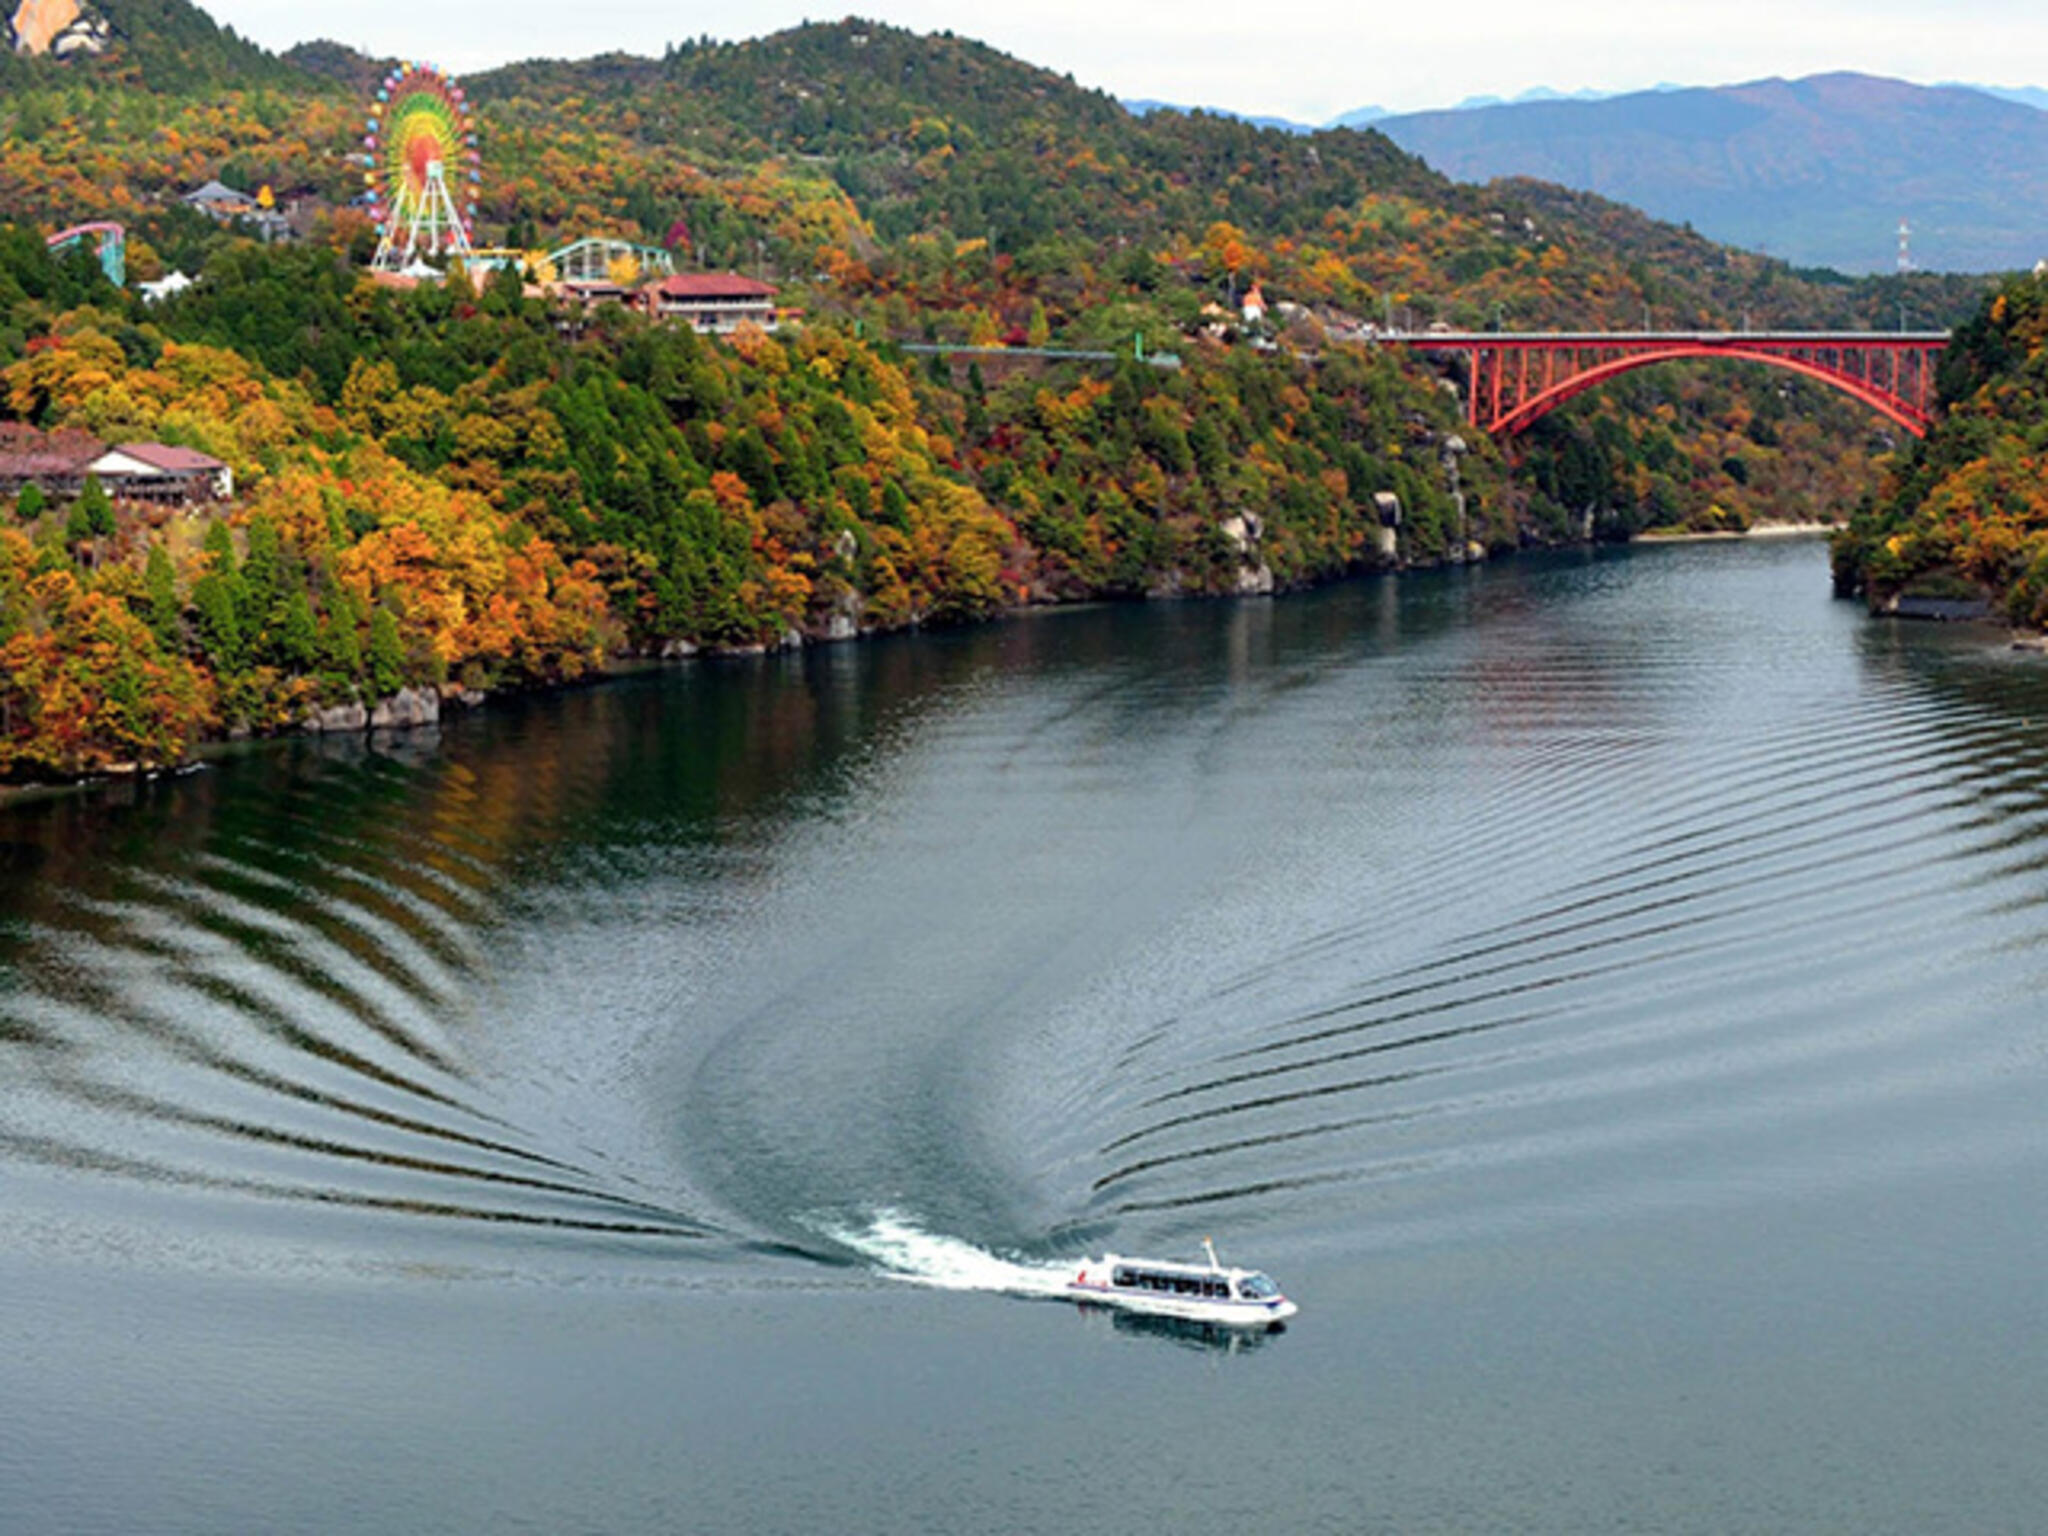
[55, 462]
[715, 302]
[160, 472]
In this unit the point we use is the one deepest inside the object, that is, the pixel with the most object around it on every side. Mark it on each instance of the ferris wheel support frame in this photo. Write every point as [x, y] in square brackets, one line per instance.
[420, 224]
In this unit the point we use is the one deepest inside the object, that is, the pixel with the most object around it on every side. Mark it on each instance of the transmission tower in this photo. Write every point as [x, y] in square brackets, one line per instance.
[1905, 266]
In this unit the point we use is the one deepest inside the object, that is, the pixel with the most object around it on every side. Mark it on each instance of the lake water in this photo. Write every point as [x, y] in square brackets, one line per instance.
[1606, 991]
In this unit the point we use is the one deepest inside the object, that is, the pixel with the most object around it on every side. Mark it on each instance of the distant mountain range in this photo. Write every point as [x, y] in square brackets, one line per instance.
[1144, 106]
[2026, 95]
[1360, 117]
[1365, 117]
[1818, 171]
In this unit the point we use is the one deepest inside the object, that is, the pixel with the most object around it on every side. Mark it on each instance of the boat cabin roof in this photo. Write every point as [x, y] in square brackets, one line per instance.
[1176, 1267]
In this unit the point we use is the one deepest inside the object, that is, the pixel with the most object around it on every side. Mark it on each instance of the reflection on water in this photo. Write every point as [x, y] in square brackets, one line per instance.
[1188, 1333]
[1387, 933]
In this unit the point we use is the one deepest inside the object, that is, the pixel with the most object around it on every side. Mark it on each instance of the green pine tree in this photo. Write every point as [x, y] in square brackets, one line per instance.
[387, 655]
[298, 634]
[166, 614]
[263, 576]
[220, 627]
[98, 510]
[341, 653]
[219, 545]
[895, 506]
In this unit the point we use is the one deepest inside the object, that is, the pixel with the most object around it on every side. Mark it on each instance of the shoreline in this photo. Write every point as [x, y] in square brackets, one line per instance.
[628, 664]
[1767, 529]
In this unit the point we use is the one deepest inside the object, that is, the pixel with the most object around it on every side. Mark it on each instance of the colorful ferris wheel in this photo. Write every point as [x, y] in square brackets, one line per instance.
[421, 166]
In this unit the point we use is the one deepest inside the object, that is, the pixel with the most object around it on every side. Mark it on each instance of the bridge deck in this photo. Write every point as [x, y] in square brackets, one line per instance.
[1651, 338]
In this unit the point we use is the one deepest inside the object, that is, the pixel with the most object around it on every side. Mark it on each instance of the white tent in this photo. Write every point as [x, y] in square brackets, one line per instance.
[164, 287]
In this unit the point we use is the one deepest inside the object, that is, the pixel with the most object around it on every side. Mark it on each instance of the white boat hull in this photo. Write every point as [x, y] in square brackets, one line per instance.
[1227, 1314]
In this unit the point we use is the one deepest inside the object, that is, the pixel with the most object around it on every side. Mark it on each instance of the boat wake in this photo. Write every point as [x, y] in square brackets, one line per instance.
[899, 1248]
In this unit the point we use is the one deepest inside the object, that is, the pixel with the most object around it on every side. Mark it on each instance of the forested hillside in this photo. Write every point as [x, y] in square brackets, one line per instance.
[1964, 517]
[465, 486]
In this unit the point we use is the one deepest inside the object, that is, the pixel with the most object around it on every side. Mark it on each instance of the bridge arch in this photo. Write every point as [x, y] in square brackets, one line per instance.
[1514, 378]
[1890, 406]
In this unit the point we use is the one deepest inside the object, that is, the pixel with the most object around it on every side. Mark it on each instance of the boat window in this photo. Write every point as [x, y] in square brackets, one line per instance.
[1256, 1288]
[1125, 1277]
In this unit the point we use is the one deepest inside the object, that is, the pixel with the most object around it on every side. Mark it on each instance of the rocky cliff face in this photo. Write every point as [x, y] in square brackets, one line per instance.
[57, 26]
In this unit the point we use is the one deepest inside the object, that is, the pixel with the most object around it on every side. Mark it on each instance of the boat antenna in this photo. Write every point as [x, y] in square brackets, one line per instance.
[1214, 1262]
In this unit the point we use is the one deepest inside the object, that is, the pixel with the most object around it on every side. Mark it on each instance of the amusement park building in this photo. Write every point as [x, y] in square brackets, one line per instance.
[717, 302]
[224, 204]
[592, 294]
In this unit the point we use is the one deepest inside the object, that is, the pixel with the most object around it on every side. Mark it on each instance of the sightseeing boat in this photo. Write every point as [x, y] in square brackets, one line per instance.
[1204, 1293]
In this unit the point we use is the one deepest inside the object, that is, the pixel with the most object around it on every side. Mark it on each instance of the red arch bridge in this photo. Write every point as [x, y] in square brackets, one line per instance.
[1514, 377]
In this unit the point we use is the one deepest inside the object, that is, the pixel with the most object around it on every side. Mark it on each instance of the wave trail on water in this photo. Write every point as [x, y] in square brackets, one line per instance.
[281, 1008]
[1745, 950]
[898, 1247]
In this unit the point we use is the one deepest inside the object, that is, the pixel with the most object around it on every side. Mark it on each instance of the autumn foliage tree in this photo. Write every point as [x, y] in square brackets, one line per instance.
[1965, 514]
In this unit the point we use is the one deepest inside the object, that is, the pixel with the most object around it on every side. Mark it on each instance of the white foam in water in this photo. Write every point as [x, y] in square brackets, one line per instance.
[904, 1250]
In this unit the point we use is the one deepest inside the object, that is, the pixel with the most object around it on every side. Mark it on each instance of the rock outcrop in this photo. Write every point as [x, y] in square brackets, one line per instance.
[407, 708]
[404, 710]
[338, 718]
[1244, 530]
[57, 27]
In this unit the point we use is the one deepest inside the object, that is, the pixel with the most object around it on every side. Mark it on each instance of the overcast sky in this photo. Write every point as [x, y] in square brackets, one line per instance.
[1304, 59]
